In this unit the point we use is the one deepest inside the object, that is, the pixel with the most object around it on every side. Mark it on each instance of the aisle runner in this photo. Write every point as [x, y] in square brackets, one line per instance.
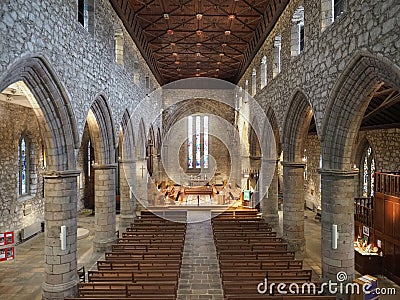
[200, 277]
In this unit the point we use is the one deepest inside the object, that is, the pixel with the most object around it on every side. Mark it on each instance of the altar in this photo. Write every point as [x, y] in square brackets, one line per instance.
[198, 182]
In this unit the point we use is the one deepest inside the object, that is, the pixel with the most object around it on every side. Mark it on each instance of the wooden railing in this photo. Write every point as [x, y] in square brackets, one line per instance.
[388, 183]
[364, 211]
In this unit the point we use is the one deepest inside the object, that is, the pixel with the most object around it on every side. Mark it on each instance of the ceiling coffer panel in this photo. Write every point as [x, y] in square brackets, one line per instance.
[207, 38]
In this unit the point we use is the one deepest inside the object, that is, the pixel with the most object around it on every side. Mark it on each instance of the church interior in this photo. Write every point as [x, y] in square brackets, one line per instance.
[200, 149]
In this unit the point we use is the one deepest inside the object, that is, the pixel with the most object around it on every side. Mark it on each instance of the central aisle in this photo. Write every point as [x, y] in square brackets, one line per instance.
[199, 277]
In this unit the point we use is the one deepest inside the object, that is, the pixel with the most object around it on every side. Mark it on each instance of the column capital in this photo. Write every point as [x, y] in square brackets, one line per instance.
[293, 164]
[104, 167]
[60, 174]
[338, 173]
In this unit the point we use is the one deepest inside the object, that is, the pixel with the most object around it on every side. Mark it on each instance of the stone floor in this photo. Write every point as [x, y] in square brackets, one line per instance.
[21, 279]
[199, 272]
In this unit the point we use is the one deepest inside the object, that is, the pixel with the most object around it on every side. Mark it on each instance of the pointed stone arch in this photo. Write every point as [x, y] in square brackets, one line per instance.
[103, 127]
[347, 104]
[297, 122]
[59, 132]
[56, 117]
[141, 141]
[295, 130]
[344, 113]
[128, 140]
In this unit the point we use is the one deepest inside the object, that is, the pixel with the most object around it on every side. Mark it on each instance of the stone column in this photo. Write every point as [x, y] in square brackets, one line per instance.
[60, 208]
[293, 207]
[104, 202]
[269, 202]
[338, 192]
[127, 203]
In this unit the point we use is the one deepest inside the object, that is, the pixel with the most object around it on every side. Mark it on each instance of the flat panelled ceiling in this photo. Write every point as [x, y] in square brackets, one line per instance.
[208, 38]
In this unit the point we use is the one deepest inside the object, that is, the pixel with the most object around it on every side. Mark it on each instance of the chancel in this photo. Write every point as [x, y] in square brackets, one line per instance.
[199, 149]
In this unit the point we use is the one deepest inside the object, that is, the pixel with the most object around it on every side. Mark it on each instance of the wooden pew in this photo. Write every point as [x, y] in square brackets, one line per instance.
[261, 265]
[130, 266]
[251, 248]
[240, 276]
[130, 276]
[148, 256]
[126, 290]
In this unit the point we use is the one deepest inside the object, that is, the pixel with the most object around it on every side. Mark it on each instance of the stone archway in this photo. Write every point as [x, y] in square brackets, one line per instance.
[295, 130]
[101, 132]
[59, 132]
[127, 167]
[269, 201]
[345, 110]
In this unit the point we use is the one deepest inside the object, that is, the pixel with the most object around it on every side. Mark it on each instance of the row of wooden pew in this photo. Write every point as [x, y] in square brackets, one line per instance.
[144, 264]
[250, 255]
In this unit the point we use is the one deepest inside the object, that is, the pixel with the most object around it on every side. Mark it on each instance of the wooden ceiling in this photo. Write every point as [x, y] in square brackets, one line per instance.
[383, 110]
[208, 38]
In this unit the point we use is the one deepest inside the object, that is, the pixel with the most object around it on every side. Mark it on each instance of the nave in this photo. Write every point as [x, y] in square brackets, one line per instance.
[21, 279]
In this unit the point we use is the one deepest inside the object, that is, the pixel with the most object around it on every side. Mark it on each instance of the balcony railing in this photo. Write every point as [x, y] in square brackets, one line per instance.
[388, 183]
[364, 211]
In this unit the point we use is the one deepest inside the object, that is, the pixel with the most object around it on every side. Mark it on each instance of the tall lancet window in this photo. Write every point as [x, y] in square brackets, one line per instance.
[206, 142]
[198, 143]
[190, 142]
[23, 161]
[368, 173]
[197, 128]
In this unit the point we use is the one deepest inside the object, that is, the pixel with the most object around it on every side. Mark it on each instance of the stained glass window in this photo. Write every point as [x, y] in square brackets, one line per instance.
[190, 142]
[368, 173]
[201, 147]
[198, 143]
[23, 161]
[205, 142]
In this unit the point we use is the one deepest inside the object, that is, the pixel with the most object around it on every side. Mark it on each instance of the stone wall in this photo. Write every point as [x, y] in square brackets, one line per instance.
[386, 146]
[312, 182]
[83, 62]
[17, 212]
[366, 27]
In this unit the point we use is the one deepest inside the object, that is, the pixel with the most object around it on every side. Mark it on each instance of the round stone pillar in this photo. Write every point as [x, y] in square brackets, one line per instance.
[127, 199]
[60, 209]
[338, 191]
[269, 202]
[105, 212]
[293, 207]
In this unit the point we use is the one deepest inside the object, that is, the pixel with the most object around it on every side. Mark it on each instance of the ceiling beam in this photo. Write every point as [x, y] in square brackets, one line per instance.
[392, 99]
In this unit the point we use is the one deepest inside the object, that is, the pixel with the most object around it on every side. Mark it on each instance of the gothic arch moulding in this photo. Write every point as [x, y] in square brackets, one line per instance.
[295, 127]
[128, 140]
[56, 117]
[101, 128]
[347, 105]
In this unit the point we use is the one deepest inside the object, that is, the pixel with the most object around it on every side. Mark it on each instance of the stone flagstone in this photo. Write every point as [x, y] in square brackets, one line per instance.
[200, 277]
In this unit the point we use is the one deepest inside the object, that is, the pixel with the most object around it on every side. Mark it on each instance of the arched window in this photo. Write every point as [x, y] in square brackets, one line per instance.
[330, 11]
[23, 166]
[201, 142]
[246, 91]
[253, 82]
[86, 14]
[277, 56]
[297, 35]
[368, 169]
[119, 46]
[263, 72]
